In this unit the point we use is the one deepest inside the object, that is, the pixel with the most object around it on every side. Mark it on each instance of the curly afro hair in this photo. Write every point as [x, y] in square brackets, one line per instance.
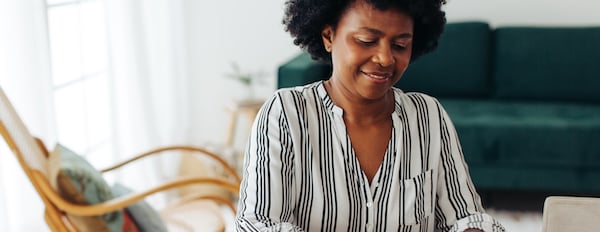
[305, 19]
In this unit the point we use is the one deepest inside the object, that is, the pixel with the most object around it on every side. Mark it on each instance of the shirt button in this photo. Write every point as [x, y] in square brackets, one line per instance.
[369, 204]
[369, 227]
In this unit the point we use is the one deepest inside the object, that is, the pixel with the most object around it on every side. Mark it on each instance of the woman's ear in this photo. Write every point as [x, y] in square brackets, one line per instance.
[327, 36]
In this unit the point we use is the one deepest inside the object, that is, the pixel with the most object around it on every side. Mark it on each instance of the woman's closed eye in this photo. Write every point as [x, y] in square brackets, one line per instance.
[366, 42]
[399, 46]
[372, 42]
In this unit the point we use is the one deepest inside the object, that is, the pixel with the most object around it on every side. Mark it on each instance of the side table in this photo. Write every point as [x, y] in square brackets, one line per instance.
[237, 109]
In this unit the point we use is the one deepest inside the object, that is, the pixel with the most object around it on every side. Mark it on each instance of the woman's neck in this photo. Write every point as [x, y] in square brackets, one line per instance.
[359, 110]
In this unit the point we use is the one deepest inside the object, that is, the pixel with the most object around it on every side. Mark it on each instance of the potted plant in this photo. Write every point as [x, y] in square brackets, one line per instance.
[247, 79]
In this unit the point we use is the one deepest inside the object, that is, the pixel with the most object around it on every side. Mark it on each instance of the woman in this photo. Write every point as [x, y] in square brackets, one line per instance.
[353, 153]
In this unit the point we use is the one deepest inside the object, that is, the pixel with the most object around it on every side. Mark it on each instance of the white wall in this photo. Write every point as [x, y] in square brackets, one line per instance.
[250, 33]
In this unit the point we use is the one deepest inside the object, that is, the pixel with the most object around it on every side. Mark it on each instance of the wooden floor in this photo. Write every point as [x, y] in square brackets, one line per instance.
[516, 210]
[517, 220]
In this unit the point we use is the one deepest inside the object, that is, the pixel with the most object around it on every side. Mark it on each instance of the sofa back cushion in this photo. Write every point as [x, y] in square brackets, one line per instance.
[560, 64]
[301, 70]
[459, 67]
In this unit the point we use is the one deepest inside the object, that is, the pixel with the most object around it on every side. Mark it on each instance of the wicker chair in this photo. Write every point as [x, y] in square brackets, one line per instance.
[33, 157]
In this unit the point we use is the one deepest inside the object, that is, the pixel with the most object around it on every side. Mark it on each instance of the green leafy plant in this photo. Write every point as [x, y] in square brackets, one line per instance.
[245, 78]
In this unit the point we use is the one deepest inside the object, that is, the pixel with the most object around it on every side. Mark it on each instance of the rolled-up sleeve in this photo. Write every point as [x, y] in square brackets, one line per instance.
[480, 221]
[458, 205]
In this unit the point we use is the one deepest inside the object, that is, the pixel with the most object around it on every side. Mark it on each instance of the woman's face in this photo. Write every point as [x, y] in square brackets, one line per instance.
[370, 50]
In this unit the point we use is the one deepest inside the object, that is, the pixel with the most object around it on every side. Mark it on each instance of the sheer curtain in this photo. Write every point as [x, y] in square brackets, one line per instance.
[24, 76]
[149, 95]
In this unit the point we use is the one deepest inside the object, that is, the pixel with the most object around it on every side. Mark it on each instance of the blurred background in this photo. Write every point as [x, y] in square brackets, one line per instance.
[112, 78]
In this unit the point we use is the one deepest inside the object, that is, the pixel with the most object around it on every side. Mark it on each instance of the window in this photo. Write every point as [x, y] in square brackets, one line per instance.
[81, 77]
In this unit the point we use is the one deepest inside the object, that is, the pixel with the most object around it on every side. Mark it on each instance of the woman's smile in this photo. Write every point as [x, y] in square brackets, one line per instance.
[378, 77]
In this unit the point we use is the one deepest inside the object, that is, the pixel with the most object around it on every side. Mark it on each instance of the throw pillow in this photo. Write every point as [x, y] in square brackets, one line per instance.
[77, 181]
[144, 216]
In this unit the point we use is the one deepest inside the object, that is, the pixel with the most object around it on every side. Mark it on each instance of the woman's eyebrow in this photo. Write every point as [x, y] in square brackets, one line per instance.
[378, 32]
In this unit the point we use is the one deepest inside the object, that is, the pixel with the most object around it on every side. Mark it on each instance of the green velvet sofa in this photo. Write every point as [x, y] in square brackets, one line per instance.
[525, 101]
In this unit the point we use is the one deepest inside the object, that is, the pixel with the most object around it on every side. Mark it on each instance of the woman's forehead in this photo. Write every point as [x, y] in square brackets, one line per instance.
[364, 15]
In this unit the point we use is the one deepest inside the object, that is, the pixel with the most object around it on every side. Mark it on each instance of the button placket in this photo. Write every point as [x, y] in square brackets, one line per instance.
[369, 205]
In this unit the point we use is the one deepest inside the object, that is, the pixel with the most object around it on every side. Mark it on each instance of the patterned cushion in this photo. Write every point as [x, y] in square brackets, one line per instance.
[144, 216]
[79, 182]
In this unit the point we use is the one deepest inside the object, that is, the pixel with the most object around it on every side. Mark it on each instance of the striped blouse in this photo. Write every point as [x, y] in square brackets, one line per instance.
[301, 173]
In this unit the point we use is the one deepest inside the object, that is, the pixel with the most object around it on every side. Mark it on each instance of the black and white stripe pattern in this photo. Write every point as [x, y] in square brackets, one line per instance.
[301, 173]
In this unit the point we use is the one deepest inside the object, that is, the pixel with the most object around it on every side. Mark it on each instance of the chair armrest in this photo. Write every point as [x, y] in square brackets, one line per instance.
[159, 150]
[124, 201]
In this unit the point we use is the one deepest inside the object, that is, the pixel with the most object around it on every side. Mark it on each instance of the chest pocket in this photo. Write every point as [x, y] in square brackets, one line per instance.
[417, 198]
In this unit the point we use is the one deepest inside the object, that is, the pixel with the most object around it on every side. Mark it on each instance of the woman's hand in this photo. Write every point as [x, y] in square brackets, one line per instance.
[473, 230]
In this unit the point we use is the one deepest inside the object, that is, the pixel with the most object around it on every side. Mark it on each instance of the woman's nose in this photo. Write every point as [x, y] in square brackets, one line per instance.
[384, 56]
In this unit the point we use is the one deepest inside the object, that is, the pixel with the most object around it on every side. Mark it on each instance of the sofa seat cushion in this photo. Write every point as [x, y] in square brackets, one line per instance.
[527, 134]
[564, 179]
